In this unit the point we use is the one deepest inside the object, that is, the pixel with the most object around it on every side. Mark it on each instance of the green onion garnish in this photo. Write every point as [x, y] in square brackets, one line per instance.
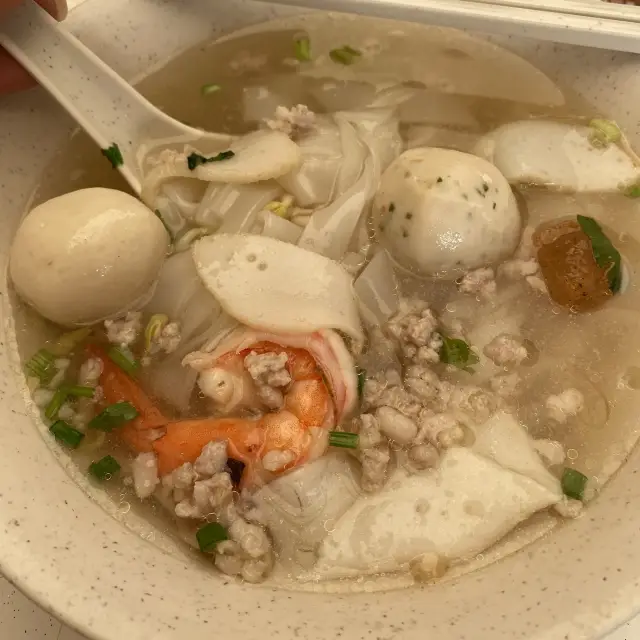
[279, 208]
[55, 403]
[124, 359]
[343, 440]
[66, 434]
[195, 159]
[157, 322]
[208, 89]
[42, 366]
[573, 483]
[604, 133]
[114, 416]
[105, 468]
[632, 191]
[303, 49]
[209, 536]
[345, 55]
[362, 378]
[114, 155]
[458, 353]
[606, 255]
[78, 391]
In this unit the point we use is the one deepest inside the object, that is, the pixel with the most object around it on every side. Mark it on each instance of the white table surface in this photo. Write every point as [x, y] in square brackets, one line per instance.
[20, 619]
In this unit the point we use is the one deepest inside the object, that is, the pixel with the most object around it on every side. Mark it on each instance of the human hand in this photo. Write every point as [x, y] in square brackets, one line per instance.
[12, 76]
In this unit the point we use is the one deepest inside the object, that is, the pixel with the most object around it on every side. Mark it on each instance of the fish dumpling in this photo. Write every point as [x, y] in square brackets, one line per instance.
[505, 441]
[456, 512]
[302, 506]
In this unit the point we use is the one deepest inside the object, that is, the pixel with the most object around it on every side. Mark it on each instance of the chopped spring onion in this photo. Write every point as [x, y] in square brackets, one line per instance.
[281, 207]
[157, 322]
[604, 133]
[606, 255]
[42, 366]
[277, 208]
[632, 191]
[78, 391]
[124, 359]
[55, 403]
[458, 353]
[67, 342]
[345, 55]
[303, 49]
[209, 536]
[114, 155]
[208, 89]
[105, 468]
[343, 440]
[573, 483]
[195, 159]
[66, 434]
[362, 378]
[114, 416]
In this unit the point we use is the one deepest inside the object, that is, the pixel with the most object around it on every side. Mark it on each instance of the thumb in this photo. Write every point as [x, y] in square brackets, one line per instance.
[57, 8]
[12, 76]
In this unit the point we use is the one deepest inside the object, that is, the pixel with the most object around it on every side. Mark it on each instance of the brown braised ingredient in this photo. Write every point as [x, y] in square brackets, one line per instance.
[549, 231]
[571, 273]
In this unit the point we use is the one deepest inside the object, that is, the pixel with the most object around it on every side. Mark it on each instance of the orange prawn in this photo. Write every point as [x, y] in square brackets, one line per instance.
[268, 444]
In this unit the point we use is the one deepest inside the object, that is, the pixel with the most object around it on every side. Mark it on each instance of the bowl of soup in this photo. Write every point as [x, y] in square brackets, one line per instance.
[369, 368]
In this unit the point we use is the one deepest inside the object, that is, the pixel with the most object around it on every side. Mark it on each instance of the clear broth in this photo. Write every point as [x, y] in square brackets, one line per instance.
[598, 353]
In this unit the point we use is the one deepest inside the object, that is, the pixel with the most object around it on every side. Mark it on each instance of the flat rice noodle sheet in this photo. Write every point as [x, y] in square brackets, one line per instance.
[186, 194]
[181, 296]
[231, 202]
[379, 130]
[440, 110]
[426, 135]
[271, 225]
[313, 183]
[378, 290]
[331, 229]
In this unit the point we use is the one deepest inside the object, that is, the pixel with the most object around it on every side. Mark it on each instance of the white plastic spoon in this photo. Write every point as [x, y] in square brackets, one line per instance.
[108, 108]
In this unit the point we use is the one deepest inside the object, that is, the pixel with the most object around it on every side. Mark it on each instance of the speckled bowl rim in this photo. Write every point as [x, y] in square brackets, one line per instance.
[67, 554]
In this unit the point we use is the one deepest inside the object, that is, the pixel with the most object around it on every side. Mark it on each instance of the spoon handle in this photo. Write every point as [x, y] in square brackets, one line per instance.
[109, 109]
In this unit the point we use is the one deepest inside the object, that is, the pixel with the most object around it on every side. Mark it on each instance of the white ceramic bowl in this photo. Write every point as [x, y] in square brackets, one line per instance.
[80, 562]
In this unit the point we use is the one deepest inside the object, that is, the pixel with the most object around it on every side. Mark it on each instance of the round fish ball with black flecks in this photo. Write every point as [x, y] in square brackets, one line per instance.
[87, 256]
[443, 212]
